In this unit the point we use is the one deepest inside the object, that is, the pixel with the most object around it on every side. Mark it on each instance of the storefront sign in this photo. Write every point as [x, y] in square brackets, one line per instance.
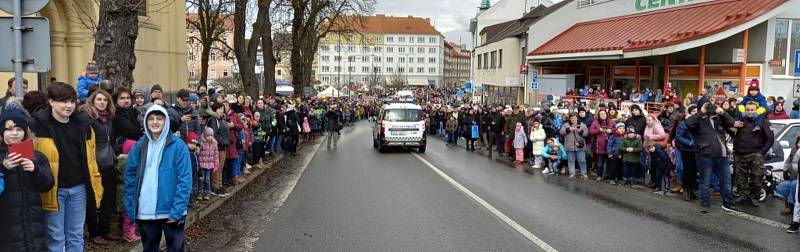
[630, 72]
[684, 72]
[558, 70]
[721, 95]
[714, 72]
[523, 69]
[776, 63]
[642, 5]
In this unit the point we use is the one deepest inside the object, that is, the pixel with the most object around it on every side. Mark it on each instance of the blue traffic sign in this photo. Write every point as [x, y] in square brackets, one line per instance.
[468, 86]
[797, 62]
[534, 85]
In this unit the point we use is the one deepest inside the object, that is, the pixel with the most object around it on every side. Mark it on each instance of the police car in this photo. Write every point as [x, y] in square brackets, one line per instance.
[399, 125]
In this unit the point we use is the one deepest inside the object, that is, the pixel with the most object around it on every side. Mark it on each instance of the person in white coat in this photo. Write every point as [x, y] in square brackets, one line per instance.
[537, 137]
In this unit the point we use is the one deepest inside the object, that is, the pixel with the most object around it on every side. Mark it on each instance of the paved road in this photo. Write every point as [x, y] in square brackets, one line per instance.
[355, 199]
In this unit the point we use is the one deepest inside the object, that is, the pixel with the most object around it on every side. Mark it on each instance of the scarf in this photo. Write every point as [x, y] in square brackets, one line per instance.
[102, 115]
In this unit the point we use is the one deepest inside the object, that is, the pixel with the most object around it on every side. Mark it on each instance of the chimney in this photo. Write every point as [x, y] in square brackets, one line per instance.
[410, 16]
[428, 20]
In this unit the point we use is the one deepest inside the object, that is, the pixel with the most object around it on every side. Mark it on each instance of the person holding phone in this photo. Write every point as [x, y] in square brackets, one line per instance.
[183, 116]
[21, 204]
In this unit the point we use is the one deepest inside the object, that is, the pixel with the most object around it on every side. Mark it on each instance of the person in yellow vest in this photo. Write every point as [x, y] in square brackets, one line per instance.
[67, 140]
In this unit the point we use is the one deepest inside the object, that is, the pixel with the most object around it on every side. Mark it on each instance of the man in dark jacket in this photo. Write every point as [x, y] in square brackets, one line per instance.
[333, 125]
[184, 118]
[12, 90]
[293, 130]
[498, 124]
[684, 141]
[636, 120]
[708, 129]
[751, 142]
[126, 124]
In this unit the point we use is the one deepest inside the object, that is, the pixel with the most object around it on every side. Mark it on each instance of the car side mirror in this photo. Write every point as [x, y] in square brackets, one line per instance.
[784, 144]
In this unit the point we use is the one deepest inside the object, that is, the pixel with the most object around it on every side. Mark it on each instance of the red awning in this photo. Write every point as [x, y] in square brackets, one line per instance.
[656, 29]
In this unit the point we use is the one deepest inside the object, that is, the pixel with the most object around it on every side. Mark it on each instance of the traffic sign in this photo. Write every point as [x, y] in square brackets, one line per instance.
[468, 86]
[28, 6]
[796, 88]
[797, 62]
[36, 39]
[535, 74]
[523, 69]
[534, 84]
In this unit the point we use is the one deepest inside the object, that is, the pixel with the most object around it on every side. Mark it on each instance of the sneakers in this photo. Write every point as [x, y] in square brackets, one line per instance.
[572, 176]
[747, 201]
[793, 228]
[546, 171]
[584, 177]
[599, 179]
[613, 182]
[731, 209]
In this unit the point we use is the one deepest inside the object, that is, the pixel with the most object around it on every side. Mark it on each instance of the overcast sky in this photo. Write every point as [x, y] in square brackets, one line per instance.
[450, 17]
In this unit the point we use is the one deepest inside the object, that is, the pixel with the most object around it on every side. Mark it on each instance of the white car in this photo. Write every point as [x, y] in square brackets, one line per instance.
[786, 132]
[399, 125]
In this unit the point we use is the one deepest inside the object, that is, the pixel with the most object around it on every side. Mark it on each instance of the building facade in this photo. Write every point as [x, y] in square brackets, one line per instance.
[714, 46]
[384, 50]
[160, 47]
[456, 64]
[220, 60]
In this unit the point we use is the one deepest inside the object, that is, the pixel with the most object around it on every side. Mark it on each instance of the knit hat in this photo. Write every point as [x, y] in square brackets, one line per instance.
[636, 107]
[753, 86]
[620, 125]
[193, 98]
[192, 138]
[91, 68]
[630, 130]
[156, 87]
[14, 117]
[208, 131]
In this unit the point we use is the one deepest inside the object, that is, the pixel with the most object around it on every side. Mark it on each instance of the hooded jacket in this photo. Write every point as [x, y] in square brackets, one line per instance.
[574, 139]
[41, 124]
[562, 154]
[709, 139]
[538, 137]
[173, 179]
[599, 136]
[684, 138]
[747, 140]
[84, 83]
[178, 125]
[637, 122]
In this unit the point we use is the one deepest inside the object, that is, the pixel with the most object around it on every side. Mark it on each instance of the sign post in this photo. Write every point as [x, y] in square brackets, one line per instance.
[17, 10]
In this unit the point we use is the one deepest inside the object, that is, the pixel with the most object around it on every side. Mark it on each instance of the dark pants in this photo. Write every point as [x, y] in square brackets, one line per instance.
[614, 168]
[628, 170]
[258, 151]
[500, 140]
[227, 172]
[92, 216]
[151, 230]
[291, 143]
[108, 205]
[601, 165]
[451, 138]
[689, 171]
[489, 141]
[471, 143]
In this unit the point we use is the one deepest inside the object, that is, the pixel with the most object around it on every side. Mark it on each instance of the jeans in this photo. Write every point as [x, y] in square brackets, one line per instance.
[333, 137]
[628, 169]
[678, 166]
[276, 143]
[721, 167]
[501, 142]
[151, 230]
[64, 229]
[553, 165]
[451, 138]
[580, 157]
[205, 180]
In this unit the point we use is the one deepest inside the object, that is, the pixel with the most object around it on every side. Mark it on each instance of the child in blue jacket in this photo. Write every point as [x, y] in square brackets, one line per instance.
[555, 154]
[613, 147]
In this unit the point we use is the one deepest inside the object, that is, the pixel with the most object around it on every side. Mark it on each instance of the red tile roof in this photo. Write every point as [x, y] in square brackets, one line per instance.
[382, 24]
[656, 29]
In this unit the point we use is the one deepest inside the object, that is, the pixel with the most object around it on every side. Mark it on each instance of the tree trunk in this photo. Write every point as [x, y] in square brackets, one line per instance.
[116, 36]
[246, 52]
[268, 54]
[204, 55]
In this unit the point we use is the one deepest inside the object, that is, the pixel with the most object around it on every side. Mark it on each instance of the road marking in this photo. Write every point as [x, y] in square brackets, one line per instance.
[761, 220]
[513, 224]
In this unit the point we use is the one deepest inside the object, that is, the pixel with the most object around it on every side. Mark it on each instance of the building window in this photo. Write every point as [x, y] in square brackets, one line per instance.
[390, 49]
[390, 59]
[276, 71]
[376, 69]
[389, 70]
[432, 70]
[351, 59]
[420, 50]
[432, 40]
[390, 39]
[337, 48]
[324, 48]
[365, 49]
[326, 58]
[401, 39]
[337, 58]
[212, 56]
[351, 48]
[326, 68]
[401, 49]
[432, 50]
[402, 60]
[337, 68]
[411, 70]
[493, 61]
[326, 79]
[420, 60]
[401, 70]
[500, 59]
[365, 58]
[420, 69]
[191, 74]
[364, 69]
[377, 59]
[420, 40]
[787, 40]
[431, 60]
[351, 69]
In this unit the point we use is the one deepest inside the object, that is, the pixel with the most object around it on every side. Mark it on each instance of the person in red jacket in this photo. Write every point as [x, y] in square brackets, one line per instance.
[779, 113]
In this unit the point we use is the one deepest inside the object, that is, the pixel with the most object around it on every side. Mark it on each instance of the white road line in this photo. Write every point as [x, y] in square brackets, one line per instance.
[513, 224]
[761, 220]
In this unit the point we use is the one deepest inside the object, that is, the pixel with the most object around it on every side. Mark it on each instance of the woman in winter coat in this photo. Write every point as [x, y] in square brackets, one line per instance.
[22, 225]
[537, 137]
[779, 113]
[100, 111]
[600, 131]
[520, 140]
[452, 126]
[654, 131]
[554, 152]
[574, 134]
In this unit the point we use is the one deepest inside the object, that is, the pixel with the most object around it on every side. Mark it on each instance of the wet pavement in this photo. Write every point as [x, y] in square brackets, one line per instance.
[356, 199]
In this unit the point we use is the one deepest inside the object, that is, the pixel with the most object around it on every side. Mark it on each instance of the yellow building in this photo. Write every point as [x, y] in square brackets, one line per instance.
[160, 47]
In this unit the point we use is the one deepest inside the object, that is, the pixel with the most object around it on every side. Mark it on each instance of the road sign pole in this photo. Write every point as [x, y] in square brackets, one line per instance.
[18, 60]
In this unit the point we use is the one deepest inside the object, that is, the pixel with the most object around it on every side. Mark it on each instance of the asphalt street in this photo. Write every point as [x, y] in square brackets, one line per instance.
[355, 199]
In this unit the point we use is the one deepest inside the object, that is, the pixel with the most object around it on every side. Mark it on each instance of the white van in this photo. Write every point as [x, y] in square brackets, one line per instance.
[399, 124]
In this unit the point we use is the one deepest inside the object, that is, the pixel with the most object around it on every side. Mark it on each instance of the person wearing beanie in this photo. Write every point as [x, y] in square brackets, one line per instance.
[631, 150]
[636, 120]
[614, 152]
[754, 95]
[600, 131]
[184, 117]
[156, 92]
[193, 143]
[24, 180]
[89, 78]
[795, 114]
[208, 157]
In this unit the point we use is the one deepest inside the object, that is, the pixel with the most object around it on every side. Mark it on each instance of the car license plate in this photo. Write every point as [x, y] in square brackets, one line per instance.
[398, 133]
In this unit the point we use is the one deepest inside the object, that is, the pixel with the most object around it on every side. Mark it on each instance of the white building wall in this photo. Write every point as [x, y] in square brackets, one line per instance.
[510, 64]
[779, 85]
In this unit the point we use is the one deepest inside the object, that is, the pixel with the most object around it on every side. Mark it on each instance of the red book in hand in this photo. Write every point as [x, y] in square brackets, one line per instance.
[24, 148]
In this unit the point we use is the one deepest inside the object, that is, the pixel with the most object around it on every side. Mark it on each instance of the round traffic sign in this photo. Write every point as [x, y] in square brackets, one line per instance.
[28, 6]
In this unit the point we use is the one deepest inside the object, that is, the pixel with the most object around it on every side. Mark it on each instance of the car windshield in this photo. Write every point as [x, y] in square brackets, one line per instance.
[777, 127]
[403, 115]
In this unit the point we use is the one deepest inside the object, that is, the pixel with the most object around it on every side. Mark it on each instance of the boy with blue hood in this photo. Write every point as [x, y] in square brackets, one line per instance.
[753, 96]
[158, 182]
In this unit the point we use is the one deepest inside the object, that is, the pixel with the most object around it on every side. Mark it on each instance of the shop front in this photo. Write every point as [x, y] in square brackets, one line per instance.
[686, 78]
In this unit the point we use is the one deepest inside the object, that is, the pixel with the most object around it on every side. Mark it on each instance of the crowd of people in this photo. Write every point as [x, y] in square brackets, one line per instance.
[684, 146]
[107, 155]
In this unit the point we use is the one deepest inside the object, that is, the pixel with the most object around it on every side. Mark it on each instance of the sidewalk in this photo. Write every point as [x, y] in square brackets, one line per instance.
[767, 213]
